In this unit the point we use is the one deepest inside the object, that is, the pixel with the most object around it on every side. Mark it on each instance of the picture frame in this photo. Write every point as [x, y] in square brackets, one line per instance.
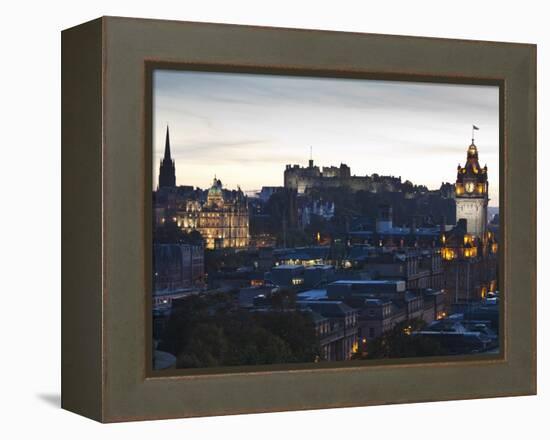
[106, 226]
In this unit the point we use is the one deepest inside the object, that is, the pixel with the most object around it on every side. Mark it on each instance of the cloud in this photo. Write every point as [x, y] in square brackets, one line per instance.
[255, 124]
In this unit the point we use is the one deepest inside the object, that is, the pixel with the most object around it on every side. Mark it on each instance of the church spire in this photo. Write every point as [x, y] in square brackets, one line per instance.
[167, 155]
[167, 171]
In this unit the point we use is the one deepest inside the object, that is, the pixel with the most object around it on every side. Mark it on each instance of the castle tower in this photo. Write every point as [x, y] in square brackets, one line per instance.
[167, 172]
[471, 194]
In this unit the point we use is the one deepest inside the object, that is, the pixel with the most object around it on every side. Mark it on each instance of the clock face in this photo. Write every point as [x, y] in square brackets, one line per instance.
[469, 187]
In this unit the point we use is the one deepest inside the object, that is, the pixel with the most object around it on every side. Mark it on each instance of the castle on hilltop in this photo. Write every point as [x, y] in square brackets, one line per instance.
[302, 179]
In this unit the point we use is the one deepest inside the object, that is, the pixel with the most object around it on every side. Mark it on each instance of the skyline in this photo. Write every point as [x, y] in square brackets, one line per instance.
[245, 128]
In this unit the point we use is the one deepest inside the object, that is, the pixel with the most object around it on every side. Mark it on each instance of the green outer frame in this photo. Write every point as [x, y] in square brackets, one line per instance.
[105, 277]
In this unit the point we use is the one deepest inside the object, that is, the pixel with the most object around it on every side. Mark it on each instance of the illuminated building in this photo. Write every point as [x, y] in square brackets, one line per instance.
[470, 264]
[223, 220]
[472, 193]
[383, 304]
[470, 250]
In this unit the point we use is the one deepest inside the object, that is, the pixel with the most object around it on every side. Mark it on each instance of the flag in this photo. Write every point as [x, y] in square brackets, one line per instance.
[474, 127]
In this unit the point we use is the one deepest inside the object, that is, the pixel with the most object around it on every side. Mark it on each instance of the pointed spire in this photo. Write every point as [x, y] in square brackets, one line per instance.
[167, 171]
[167, 155]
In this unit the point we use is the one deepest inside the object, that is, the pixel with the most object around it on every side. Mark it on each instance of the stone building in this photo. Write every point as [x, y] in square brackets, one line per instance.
[419, 268]
[302, 179]
[472, 193]
[470, 263]
[336, 326]
[177, 266]
[222, 220]
[470, 250]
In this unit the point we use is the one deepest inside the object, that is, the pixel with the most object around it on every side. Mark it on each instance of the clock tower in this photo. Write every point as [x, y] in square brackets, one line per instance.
[471, 194]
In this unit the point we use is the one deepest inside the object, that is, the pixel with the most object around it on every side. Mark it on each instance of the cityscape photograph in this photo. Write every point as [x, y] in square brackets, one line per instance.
[307, 220]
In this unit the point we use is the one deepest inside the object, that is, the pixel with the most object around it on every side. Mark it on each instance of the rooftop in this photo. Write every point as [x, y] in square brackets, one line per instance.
[312, 294]
[288, 266]
[369, 282]
[327, 308]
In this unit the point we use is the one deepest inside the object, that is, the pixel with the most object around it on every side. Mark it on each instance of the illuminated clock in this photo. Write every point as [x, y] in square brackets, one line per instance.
[469, 187]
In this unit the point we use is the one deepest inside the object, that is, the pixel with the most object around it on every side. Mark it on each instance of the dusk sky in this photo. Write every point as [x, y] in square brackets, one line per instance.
[244, 128]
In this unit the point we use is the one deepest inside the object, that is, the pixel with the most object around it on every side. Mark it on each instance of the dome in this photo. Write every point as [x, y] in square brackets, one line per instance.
[215, 193]
[471, 167]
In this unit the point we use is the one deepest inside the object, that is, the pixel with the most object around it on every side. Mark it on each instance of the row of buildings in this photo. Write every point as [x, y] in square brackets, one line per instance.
[355, 287]
[220, 216]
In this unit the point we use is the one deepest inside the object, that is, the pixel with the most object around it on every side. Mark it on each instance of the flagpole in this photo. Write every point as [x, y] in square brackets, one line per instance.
[473, 129]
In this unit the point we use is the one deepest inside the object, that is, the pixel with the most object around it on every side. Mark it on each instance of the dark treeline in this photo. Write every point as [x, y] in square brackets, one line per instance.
[400, 342]
[208, 331]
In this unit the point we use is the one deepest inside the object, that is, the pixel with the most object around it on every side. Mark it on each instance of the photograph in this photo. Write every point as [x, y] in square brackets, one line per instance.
[307, 220]
[311, 220]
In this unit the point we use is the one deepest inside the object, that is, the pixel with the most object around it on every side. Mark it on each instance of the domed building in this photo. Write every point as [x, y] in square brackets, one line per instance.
[215, 194]
[222, 220]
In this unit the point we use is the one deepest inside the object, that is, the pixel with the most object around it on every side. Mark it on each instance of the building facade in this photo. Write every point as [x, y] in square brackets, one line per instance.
[470, 249]
[177, 266]
[471, 264]
[472, 193]
[223, 220]
[336, 327]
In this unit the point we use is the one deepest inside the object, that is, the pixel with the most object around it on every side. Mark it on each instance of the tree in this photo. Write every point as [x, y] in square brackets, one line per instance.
[283, 299]
[170, 232]
[297, 330]
[205, 331]
[400, 342]
[205, 348]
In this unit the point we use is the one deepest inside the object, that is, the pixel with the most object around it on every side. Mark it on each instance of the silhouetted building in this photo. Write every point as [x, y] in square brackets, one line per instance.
[177, 266]
[303, 178]
[167, 171]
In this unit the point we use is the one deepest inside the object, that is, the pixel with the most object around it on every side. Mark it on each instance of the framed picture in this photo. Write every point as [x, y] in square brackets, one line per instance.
[264, 219]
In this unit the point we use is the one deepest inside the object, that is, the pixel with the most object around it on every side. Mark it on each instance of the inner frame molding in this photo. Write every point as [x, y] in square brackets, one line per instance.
[151, 65]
